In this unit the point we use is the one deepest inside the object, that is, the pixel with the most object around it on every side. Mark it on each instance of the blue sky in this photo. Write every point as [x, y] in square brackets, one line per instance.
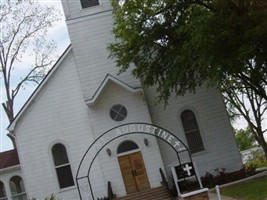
[60, 35]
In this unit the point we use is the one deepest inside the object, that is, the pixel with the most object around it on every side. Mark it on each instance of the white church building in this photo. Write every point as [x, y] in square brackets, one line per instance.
[85, 125]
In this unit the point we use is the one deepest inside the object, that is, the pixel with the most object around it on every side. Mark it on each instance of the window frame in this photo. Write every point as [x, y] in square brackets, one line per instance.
[23, 194]
[4, 191]
[201, 147]
[131, 150]
[118, 114]
[89, 3]
[61, 166]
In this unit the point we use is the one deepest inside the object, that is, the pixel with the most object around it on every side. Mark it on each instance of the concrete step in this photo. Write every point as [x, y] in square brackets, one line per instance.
[159, 193]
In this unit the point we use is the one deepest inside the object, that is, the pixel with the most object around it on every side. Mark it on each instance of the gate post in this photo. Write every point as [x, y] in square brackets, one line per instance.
[175, 178]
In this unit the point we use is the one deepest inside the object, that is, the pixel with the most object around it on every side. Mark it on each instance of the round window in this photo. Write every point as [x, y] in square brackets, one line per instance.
[118, 112]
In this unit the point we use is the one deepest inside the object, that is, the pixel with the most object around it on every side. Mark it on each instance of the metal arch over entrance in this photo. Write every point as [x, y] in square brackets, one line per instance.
[84, 169]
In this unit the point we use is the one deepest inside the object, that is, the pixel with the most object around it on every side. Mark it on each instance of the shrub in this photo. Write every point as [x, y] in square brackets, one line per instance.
[52, 197]
[258, 160]
[208, 180]
[188, 186]
[250, 168]
[221, 177]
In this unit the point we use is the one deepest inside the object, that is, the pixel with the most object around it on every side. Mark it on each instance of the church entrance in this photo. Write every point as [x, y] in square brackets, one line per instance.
[133, 172]
[130, 164]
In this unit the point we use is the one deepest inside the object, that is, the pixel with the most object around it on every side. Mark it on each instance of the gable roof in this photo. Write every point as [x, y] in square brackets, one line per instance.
[9, 158]
[109, 78]
[12, 125]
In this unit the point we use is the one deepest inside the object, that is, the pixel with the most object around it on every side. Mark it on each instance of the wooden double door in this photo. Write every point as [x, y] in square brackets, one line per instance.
[133, 172]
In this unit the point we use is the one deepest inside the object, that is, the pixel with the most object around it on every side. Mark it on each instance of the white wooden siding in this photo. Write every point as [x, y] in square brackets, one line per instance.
[90, 37]
[220, 146]
[57, 114]
[101, 122]
[6, 175]
[73, 9]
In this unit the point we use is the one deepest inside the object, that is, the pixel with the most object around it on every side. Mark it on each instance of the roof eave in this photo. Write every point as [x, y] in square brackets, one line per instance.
[92, 101]
[10, 168]
[11, 127]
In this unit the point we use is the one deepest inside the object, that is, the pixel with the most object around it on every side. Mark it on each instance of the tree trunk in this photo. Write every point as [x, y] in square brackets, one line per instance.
[264, 147]
[262, 143]
[8, 107]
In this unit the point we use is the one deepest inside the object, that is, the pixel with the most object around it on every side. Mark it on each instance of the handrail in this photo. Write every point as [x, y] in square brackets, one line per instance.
[165, 183]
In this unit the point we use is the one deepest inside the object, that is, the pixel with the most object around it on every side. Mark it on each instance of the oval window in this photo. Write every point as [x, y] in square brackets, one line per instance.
[118, 112]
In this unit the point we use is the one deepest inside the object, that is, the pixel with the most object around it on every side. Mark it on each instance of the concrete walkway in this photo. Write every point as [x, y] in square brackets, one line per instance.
[213, 196]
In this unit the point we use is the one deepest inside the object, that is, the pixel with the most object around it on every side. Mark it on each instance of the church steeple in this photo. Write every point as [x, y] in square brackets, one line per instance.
[81, 8]
[89, 3]
[90, 24]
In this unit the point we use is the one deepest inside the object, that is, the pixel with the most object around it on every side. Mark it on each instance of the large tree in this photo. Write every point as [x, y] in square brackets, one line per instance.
[244, 102]
[25, 52]
[245, 139]
[180, 44]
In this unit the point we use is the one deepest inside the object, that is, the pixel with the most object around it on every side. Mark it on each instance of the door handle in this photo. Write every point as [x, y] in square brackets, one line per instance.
[134, 172]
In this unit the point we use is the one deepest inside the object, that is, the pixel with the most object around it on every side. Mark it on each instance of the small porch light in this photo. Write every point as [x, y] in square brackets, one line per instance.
[108, 151]
[146, 142]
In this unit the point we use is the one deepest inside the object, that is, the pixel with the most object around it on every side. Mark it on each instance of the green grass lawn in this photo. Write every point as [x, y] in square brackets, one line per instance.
[252, 190]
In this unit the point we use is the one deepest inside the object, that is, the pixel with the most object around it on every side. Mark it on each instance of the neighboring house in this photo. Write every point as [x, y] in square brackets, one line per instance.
[249, 154]
[82, 98]
[11, 182]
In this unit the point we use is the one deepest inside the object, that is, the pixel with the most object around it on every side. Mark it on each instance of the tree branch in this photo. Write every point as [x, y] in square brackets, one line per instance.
[28, 77]
[201, 3]
[254, 86]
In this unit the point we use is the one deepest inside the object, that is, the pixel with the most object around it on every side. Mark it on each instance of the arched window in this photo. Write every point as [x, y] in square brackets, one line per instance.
[192, 131]
[62, 166]
[2, 191]
[17, 188]
[127, 146]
